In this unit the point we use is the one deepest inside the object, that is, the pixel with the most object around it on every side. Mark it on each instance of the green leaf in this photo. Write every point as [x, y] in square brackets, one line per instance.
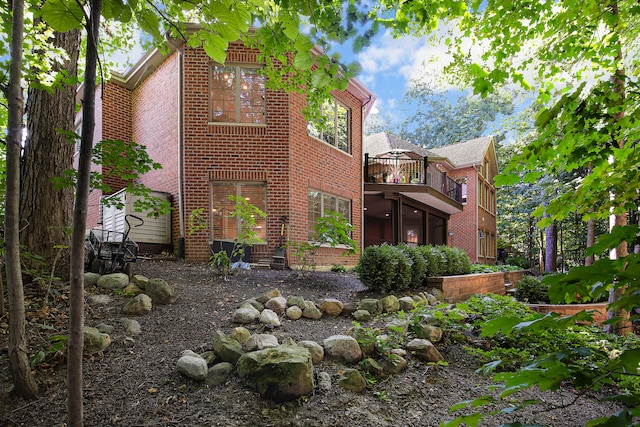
[303, 43]
[149, 23]
[63, 15]
[216, 47]
[303, 61]
[611, 240]
[320, 78]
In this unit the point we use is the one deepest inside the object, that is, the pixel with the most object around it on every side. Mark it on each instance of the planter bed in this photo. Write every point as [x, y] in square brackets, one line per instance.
[569, 309]
[460, 288]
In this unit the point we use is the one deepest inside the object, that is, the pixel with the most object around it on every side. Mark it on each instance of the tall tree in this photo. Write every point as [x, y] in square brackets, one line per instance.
[24, 383]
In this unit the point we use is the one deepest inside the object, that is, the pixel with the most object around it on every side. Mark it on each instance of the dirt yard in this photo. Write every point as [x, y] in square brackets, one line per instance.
[135, 381]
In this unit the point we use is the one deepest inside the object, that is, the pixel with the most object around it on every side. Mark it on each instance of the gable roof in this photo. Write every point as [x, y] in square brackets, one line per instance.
[383, 142]
[467, 153]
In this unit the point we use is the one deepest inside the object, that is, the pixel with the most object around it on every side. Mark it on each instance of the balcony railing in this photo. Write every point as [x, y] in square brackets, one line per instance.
[403, 168]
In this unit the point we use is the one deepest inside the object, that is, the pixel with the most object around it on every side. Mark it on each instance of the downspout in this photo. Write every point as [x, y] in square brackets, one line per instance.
[181, 238]
[475, 205]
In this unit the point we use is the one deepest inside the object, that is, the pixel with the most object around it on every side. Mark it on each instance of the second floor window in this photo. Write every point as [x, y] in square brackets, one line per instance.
[237, 95]
[335, 127]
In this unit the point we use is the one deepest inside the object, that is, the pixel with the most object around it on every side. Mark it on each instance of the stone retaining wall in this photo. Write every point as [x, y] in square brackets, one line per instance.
[460, 288]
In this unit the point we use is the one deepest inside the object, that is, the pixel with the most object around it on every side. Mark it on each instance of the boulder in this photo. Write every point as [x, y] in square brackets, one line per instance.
[311, 312]
[260, 341]
[132, 289]
[138, 305]
[104, 328]
[219, 373]
[331, 307]
[99, 299]
[394, 364]
[397, 327]
[342, 348]
[294, 312]
[315, 349]
[266, 296]
[372, 367]
[139, 280]
[269, 318]
[131, 326]
[193, 365]
[277, 305]
[245, 315]
[428, 332]
[253, 303]
[91, 279]
[94, 340]
[228, 349]
[424, 350]
[361, 315]
[352, 379]
[348, 308]
[406, 303]
[113, 281]
[294, 301]
[240, 334]
[324, 381]
[373, 306]
[281, 373]
[160, 291]
[390, 304]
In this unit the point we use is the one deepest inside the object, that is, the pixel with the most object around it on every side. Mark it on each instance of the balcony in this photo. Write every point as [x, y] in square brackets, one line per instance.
[409, 173]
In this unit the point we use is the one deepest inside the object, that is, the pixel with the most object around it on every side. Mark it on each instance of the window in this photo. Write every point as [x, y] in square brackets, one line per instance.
[320, 203]
[223, 225]
[335, 127]
[237, 95]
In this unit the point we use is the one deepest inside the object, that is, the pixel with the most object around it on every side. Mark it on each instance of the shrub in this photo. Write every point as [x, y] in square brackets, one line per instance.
[485, 268]
[435, 259]
[377, 267]
[531, 290]
[521, 262]
[418, 264]
[457, 261]
[384, 267]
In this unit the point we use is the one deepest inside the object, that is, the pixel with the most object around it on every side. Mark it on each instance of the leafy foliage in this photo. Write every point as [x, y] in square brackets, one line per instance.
[529, 289]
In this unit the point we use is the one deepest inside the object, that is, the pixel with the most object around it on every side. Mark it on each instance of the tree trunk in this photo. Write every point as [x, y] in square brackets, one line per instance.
[551, 254]
[46, 211]
[76, 300]
[23, 382]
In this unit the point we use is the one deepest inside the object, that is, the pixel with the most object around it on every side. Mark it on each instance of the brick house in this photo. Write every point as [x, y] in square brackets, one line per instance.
[217, 131]
[476, 166]
[433, 196]
[409, 195]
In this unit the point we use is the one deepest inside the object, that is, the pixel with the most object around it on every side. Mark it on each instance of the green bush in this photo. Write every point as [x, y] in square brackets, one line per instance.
[457, 261]
[485, 268]
[521, 262]
[418, 264]
[376, 268]
[532, 291]
[384, 268]
[435, 259]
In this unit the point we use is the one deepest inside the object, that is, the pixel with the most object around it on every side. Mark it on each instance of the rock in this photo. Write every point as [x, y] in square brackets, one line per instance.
[432, 300]
[397, 327]
[294, 301]
[352, 379]
[437, 293]
[394, 365]
[193, 366]
[245, 315]
[240, 334]
[424, 350]
[138, 305]
[266, 296]
[348, 308]
[390, 304]
[406, 303]
[113, 281]
[331, 307]
[99, 299]
[209, 357]
[311, 312]
[253, 303]
[324, 381]
[104, 328]
[277, 305]
[294, 312]
[94, 340]
[139, 280]
[219, 373]
[269, 318]
[228, 349]
[132, 289]
[372, 305]
[260, 341]
[428, 332]
[281, 374]
[362, 315]
[131, 326]
[315, 349]
[91, 279]
[372, 367]
[343, 348]
[160, 291]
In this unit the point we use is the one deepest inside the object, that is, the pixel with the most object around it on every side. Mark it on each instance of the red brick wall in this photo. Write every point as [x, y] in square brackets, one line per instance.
[464, 224]
[460, 288]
